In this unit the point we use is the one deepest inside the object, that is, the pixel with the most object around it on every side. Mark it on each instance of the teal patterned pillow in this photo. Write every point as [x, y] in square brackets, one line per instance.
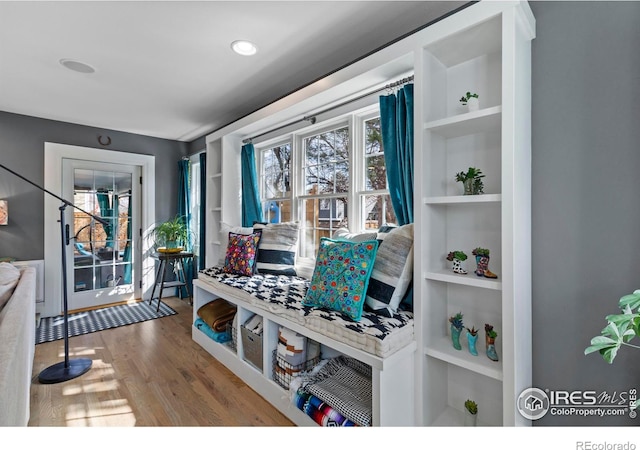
[241, 254]
[341, 276]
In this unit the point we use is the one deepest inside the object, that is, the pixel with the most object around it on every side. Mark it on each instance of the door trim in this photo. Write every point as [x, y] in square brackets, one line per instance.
[53, 155]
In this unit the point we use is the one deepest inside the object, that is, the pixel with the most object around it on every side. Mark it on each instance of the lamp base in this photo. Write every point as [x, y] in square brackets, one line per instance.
[62, 372]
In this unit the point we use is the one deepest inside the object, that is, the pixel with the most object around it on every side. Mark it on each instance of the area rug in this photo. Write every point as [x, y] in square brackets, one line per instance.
[52, 328]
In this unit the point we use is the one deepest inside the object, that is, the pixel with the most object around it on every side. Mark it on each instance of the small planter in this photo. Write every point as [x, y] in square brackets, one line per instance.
[457, 257]
[473, 104]
[470, 413]
[470, 420]
[455, 337]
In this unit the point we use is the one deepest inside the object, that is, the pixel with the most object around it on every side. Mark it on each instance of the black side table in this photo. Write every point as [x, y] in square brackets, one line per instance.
[178, 260]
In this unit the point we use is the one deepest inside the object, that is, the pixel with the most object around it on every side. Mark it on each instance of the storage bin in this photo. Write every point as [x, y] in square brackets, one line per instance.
[284, 372]
[252, 345]
[233, 338]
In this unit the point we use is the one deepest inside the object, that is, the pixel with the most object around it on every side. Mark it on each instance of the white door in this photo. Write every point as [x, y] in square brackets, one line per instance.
[103, 259]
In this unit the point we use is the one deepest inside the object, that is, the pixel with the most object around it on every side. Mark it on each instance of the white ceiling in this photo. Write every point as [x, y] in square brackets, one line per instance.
[165, 68]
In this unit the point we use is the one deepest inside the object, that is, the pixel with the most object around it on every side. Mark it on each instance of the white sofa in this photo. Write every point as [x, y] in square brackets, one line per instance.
[17, 338]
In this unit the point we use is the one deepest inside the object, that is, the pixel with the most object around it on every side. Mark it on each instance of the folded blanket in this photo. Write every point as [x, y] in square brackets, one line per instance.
[221, 337]
[320, 412]
[345, 384]
[217, 314]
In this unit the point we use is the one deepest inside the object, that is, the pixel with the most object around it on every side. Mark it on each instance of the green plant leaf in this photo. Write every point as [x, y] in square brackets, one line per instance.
[631, 300]
[599, 343]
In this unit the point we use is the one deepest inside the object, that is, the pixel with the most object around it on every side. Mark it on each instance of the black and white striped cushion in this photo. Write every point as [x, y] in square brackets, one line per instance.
[277, 248]
[392, 271]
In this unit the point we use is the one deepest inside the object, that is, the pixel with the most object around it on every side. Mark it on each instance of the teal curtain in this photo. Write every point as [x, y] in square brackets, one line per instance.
[251, 208]
[184, 211]
[106, 212]
[127, 248]
[396, 125]
[203, 210]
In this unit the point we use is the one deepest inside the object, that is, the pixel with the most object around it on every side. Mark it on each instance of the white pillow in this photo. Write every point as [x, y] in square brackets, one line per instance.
[392, 271]
[343, 233]
[9, 276]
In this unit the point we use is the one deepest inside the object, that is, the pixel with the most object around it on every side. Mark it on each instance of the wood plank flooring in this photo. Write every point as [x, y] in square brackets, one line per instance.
[143, 375]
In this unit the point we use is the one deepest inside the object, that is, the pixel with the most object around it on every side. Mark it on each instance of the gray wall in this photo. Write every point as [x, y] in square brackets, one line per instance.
[586, 215]
[22, 141]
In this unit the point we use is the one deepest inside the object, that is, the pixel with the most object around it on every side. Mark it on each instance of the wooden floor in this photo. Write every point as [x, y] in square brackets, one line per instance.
[146, 374]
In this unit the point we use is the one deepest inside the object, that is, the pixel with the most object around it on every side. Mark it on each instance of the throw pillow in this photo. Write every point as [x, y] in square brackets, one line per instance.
[341, 276]
[9, 276]
[392, 272]
[225, 229]
[241, 254]
[278, 247]
[343, 233]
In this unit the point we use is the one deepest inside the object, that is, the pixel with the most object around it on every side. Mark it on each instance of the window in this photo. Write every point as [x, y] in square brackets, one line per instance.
[275, 183]
[377, 208]
[194, 202]
[330, 177]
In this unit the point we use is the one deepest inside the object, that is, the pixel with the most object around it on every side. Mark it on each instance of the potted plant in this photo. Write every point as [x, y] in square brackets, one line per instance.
[472, 181]
[172, 235]
[471, 413]
[472, 338]
[482, 262]
[456, 328]
[490, 339]
[470, 101]
[620, 330]
[457, 257]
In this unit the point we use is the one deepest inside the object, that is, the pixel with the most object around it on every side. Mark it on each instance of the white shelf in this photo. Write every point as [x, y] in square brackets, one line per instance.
[468, 123]
[452, 417]
[461, 199]
[471, 279]
[216, 175]
[216, 209]
[443, 350]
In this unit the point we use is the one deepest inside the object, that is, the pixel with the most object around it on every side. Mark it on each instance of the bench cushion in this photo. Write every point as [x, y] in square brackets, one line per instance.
[280, 294]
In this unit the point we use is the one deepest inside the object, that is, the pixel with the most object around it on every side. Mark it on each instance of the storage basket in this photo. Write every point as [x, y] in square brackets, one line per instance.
[283, 372]
[252, 346]
[233, 338]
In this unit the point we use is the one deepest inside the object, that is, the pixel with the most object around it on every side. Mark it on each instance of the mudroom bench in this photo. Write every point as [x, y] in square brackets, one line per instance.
[385, 344]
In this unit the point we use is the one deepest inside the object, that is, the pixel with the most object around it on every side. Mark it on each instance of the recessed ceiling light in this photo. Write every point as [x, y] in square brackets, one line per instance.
[244, 48]
[77, 66]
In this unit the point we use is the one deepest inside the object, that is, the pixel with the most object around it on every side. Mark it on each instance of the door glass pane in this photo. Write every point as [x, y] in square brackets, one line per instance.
[102, 251]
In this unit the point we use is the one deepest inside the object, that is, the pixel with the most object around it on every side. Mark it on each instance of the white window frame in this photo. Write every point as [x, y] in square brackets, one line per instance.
[354, 121]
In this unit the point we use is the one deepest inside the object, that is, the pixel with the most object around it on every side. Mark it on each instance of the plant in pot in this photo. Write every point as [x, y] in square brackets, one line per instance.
[482, 263]
[620, 330]
[471, 101]
[457, 257]
[472, 181]
[472, 338]
[490, 340]
[172, 235]
[471, 413]
[456, 328]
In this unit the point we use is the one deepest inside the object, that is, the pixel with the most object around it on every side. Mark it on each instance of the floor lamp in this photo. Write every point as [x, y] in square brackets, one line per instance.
[69, 368]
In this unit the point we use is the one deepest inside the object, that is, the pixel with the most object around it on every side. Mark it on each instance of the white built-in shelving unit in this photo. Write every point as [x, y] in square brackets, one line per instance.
[223, 201]
[483, 49]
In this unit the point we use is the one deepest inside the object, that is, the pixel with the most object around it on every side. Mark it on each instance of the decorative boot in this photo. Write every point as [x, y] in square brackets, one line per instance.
[482, 261]
[472, 338]
[457, 267]
[490, 338]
